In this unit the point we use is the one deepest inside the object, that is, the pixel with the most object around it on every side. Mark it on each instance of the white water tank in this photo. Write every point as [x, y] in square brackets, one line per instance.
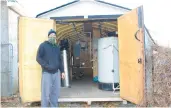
[108, 63]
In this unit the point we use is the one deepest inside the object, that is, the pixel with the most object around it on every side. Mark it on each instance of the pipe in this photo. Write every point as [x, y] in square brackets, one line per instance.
[117, 88]
[65, 62]
[113, 68]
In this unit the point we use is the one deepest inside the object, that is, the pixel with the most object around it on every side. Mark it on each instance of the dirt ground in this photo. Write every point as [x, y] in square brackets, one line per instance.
[14, 101]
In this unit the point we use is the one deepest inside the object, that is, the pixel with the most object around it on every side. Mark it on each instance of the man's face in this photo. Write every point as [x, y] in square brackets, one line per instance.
[52, 35]
[52, 38]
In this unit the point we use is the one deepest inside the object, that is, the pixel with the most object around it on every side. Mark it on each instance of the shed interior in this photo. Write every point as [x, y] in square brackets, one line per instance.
[83, 69]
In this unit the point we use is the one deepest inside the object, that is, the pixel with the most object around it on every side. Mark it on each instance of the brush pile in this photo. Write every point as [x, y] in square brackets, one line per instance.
[161, 77]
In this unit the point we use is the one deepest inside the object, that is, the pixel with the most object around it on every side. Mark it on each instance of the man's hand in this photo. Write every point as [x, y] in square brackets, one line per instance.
[63, 75]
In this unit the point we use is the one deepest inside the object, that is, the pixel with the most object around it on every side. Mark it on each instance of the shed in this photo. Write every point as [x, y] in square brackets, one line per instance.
[93, 20]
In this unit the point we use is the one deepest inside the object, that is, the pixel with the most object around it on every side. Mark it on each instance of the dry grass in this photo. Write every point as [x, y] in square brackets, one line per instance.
[161, 77]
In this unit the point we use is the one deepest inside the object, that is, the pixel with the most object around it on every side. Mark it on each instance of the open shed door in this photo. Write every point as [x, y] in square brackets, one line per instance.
[131, 55]
[32, 32]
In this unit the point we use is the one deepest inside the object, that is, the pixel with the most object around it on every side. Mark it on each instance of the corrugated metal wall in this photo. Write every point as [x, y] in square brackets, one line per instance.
[9, 51]
[148, 64]
[5, 72]
[13, 39]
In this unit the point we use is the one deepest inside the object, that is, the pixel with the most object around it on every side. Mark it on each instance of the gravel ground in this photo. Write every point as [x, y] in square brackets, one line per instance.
[14, 101]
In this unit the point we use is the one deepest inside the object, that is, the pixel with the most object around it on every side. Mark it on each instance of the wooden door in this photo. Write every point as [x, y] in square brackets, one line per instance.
[131, 55]
[32, 32]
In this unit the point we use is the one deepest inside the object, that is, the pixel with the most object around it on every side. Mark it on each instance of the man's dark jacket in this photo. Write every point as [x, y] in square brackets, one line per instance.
[49, 57]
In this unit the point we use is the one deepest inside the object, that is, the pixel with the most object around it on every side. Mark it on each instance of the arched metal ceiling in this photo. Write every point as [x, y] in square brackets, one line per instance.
[68, 31]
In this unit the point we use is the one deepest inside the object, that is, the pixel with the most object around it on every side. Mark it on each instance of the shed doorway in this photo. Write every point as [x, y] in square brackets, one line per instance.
[83, 60]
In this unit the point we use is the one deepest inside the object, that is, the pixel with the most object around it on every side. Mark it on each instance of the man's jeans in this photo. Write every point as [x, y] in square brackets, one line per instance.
[50, 89]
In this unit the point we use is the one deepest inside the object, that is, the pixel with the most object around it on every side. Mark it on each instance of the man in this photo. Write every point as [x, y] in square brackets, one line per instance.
[48, 56]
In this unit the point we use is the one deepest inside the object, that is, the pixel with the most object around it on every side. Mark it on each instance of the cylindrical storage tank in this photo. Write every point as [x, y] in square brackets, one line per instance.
[64, 45]
[66, 82]
[108, 72]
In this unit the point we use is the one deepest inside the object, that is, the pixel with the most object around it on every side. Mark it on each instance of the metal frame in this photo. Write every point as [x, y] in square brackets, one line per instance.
[67, 17]
[104, 16]
[90, 42]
